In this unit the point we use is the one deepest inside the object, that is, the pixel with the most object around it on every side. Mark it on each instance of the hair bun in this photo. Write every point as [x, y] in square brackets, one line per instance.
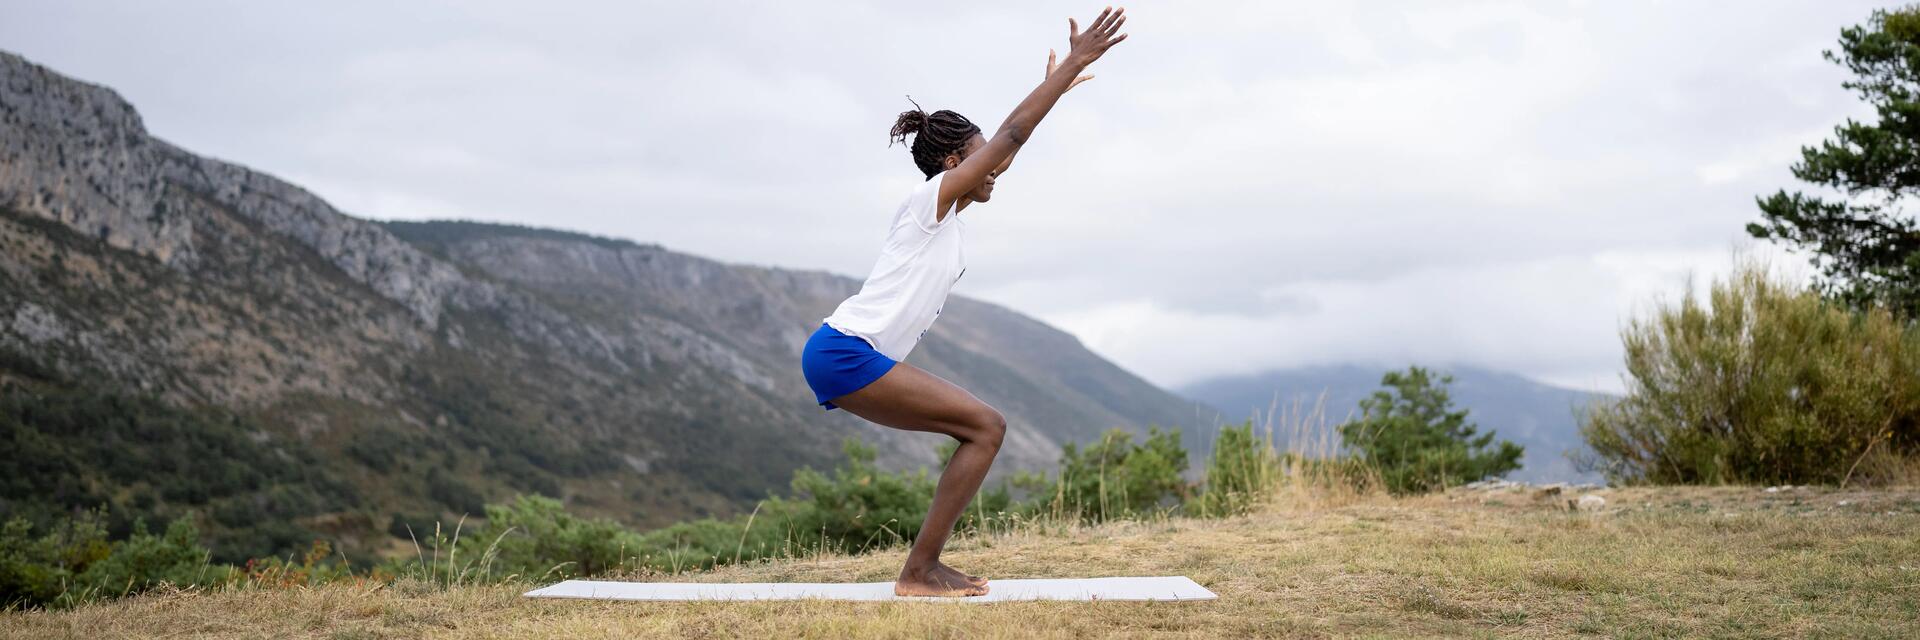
[909, 122]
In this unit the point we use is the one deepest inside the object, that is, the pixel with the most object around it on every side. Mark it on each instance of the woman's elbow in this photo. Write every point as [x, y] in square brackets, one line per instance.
[1016, 134]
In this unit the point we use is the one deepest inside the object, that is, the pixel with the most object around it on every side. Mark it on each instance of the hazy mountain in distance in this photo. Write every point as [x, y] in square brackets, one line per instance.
[1539, 416]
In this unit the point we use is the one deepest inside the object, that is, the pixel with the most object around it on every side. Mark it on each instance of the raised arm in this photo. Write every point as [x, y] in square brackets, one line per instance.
[1053, 64]
[1087, 46]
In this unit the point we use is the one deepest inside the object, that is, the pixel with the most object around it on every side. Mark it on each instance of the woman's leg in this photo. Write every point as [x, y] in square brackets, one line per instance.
[908, 397]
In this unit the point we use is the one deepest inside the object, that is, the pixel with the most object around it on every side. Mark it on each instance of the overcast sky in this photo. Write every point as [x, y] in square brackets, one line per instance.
[1244, 186]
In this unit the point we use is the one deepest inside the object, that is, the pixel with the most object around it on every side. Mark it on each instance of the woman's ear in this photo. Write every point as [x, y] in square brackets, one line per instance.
[953, 160]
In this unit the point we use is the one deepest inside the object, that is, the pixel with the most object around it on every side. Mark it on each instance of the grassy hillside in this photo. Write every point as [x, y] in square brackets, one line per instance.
[1717, 562]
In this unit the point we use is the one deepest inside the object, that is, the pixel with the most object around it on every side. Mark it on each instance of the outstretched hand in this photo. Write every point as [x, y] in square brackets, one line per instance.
[1101, 35]
[990, 159]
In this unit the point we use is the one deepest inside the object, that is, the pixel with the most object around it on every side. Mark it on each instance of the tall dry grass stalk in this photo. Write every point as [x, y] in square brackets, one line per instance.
[1310, 468]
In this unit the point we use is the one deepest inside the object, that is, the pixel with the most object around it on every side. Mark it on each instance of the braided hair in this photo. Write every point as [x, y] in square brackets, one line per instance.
[936, 136]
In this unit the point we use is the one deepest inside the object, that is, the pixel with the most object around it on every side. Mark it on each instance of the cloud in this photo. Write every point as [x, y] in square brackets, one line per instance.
[1245, 185]
[1558, 318]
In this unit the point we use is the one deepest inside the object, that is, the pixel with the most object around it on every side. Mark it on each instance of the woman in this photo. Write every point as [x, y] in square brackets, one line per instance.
[853, 361]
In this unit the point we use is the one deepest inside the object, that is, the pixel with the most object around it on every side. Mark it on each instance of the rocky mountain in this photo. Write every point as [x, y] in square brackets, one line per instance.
[411, 371]
[1540, 417]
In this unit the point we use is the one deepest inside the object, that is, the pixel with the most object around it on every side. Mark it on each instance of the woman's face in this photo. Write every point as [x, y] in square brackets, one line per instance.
[984, 192]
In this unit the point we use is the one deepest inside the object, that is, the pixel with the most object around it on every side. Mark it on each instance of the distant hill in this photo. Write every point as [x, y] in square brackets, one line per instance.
[407, 372]
[1538, 416]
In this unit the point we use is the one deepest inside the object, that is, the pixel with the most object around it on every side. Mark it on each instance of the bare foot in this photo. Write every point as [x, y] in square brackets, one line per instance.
[976, 580]
[936, 584]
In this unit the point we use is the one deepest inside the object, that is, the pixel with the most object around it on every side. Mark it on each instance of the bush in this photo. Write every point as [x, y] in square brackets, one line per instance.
[1242, 470]
[1415, 441]
[1762, 382]
[144, 561]
[34, 570]
[74, 562]
[859, 506]
[534, 537]
[708, 542]
[1113, 478]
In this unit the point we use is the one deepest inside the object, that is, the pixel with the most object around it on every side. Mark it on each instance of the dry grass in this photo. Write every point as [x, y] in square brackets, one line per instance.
[1725, 562]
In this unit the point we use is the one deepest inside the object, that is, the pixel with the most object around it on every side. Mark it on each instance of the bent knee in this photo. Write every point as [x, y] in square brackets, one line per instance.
[989, 427]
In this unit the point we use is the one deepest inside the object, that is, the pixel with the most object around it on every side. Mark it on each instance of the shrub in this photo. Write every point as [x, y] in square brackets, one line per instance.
[1415, 441]
[534, 537]
[34, 570]
[859, 506]
[1762, 382]
[74, 563]
[707, 542]
[1113, 478]
[145, 560]
[1242, 470]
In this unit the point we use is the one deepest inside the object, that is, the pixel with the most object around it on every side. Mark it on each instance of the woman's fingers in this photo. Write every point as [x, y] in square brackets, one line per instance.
[1103, 32]
[1099, 22]
[1077, 81]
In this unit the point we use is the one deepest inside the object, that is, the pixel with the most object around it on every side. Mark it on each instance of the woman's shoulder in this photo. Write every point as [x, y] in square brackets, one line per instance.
[926, 191]
[932, 183]
[920, 205]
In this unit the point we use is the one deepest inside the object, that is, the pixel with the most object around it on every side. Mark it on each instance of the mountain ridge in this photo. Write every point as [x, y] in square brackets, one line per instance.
[443, 364]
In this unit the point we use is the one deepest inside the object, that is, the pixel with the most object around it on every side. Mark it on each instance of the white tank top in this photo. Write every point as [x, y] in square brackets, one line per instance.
[918, 265]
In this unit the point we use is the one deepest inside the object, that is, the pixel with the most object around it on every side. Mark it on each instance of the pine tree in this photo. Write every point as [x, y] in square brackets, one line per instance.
[1417, 442]
[1866, 245]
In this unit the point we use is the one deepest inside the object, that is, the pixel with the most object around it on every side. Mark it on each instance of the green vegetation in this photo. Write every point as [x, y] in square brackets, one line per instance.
[1416, 443]
[1115, 478]
[1768, 382]
[1763, 382]
[1867, 244]
[855, 508]
[74, 562]
[138, 458]
[1242, 469]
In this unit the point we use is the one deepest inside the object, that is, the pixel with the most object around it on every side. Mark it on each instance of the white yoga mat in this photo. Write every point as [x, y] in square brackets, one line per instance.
[1166, 588]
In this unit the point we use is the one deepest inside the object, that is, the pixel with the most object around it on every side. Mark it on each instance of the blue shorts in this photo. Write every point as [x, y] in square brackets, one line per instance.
[837, 364]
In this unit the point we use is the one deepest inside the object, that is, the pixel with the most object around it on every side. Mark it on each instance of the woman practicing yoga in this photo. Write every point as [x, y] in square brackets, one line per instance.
[853, 361]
